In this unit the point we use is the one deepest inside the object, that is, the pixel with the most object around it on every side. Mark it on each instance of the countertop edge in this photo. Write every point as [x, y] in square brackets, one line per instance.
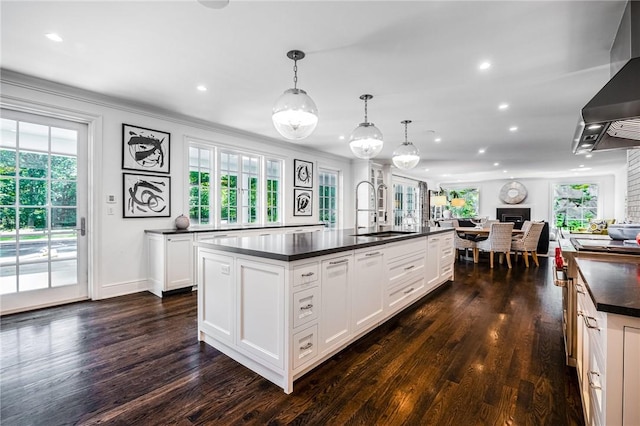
[169, 231]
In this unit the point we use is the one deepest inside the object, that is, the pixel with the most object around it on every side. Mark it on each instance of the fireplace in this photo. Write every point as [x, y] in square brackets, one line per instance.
[517, 215]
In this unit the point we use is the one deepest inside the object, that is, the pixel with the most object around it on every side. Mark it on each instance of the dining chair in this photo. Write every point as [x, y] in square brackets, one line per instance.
[528, 242]
[499, 241]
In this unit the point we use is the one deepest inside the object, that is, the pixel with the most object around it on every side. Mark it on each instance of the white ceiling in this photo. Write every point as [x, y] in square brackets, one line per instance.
[419, 59]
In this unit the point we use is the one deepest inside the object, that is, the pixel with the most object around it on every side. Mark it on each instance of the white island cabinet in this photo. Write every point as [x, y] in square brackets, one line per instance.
[170, 254]
[282, 305]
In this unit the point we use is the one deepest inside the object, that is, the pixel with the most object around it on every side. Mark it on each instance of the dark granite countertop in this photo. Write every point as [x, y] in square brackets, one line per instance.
[225, 228]
[614, 286]
[304, 245]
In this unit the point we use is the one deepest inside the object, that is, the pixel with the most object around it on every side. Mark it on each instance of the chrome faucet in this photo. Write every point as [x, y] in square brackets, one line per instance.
[375, 210]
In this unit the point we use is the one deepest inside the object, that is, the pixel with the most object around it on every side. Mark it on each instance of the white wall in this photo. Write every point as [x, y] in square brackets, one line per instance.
[540, 195]
[116, 244]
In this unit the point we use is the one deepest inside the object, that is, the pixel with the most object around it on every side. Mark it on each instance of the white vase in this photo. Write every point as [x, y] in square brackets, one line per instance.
[182, 222]
[446, 214]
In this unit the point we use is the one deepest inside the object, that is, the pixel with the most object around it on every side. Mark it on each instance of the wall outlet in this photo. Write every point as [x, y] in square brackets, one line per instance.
[110, 210]
[226, 269]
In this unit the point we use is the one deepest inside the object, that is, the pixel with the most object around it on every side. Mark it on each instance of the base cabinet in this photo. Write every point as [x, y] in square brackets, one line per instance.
[607, 363]
[169, 262]
[281, 319]
[336, 301]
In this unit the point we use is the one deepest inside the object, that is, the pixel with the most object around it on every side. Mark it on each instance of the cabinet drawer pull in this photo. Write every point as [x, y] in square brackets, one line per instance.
[587, 322]
[579, 289]
[307, 346]
[408, 291]
[592, 382]
[306, 307]
[308, 274]
[337, 262]
[409, 267]
[375, 253]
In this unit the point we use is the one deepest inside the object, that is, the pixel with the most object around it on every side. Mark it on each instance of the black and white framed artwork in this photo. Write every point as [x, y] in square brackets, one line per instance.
[303, 174]
[302, 202]
[146, 195]
[145, 149]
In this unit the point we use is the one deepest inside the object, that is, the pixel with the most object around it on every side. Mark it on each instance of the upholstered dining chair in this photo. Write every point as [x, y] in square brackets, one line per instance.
[459, 242]
[499, 241]
[528, 242]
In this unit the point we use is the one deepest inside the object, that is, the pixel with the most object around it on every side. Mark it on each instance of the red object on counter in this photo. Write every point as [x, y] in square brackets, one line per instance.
[559, 262]
[638, 238]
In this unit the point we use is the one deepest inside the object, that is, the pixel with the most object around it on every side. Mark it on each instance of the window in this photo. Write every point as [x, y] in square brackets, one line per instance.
[328, 198]
[274, 175]
[200, 170]
[574, 205]
[235, 194]
[463, 202]
[405, 203]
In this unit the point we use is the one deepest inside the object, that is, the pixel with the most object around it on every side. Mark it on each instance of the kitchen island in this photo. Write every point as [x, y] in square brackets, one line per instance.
[283, 304]
[608, 339]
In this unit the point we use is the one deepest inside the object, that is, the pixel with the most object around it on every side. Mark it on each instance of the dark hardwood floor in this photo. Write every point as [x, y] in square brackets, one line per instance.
[484, 350]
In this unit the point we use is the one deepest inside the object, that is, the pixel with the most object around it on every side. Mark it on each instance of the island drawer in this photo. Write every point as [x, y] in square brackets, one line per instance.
[305, 274]
[306, 305]
[406, 268]
[403, 248]
[305, 346]
[401, 296]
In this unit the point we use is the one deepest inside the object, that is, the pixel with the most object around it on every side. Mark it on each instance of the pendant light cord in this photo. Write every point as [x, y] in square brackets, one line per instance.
[295, 73]
[405, 133]
[365, 110]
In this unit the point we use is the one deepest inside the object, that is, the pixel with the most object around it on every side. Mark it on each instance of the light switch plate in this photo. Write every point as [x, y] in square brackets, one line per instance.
[111, 199]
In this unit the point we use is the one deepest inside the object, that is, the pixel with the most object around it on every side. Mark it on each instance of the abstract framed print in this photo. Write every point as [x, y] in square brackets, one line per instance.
[146, 195]
[145, 149]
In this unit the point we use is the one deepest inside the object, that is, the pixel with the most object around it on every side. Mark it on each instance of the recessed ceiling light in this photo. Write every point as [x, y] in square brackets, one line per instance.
[481, 151]
[496, 164]
[580, 169]
[581, 165]
[202, 88]
[510, 177]
[426, 170]
[513, 128]
[438, 140]
[589, 155]
[446, 175]
[503, 106]
[504, 171]
[594, 126]
[485, 65]
[53, 37]
[341, 137]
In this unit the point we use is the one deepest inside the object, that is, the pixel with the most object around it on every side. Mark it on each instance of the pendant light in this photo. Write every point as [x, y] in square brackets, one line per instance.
[366, 140]
[406, 156]
[295, 115]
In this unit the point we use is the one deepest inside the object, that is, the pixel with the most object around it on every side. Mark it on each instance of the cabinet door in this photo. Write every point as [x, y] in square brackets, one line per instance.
[179, 262]
[631, 387]
[447, 257]
[216, 295]
[433, 261]
[368, 288]
[336, 301]
[260, 310]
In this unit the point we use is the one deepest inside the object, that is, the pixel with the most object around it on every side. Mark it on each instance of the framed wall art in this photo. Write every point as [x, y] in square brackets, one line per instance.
[145, 149]
[303, 174]
[146, 195]
[302, 202]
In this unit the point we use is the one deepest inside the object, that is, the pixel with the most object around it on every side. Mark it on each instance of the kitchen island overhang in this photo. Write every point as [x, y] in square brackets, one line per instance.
[282, 304]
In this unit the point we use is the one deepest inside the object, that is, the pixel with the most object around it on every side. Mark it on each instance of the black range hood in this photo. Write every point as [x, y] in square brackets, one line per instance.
[611, 120]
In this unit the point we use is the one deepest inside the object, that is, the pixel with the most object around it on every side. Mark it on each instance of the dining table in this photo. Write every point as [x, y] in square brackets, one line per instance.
[481, 231]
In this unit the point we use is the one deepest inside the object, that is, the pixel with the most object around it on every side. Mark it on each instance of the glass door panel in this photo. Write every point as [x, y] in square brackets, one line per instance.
[42, 204]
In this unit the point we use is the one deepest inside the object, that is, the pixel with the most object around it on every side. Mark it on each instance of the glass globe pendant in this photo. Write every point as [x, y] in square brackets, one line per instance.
[406, 156]
[295, 115]
[366, 139]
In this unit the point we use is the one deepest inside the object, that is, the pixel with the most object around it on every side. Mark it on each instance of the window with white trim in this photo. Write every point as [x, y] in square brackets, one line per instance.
[328, 197]
[244, 189]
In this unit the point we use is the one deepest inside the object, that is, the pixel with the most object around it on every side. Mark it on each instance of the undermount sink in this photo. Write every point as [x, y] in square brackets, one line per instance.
[383, 234]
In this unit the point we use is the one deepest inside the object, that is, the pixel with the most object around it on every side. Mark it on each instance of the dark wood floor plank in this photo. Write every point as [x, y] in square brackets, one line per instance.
[486, 350]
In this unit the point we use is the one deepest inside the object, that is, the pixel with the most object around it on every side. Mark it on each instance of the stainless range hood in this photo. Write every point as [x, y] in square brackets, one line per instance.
[611, 120]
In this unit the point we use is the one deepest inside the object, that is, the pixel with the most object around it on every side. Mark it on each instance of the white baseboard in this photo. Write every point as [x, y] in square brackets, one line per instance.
[120, 289]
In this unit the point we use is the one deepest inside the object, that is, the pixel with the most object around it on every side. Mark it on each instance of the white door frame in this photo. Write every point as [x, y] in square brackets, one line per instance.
[94, 124]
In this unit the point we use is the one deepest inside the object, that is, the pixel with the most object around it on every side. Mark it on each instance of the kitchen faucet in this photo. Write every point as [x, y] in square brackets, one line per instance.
[375, 212]
[375, 209]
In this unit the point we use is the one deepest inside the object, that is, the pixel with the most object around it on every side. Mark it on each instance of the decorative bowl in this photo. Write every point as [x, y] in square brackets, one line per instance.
[624, 231]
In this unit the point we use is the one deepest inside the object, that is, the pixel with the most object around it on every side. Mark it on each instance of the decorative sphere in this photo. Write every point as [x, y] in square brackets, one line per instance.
[182, 222]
